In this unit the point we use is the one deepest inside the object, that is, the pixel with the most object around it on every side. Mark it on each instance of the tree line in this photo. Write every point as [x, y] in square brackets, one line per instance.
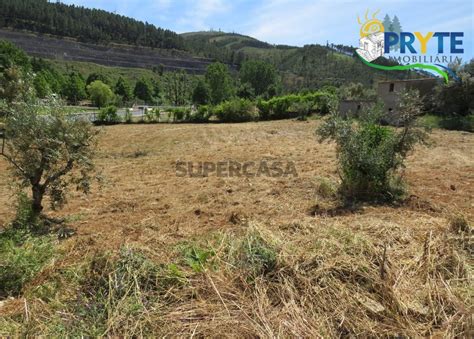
[84, 24]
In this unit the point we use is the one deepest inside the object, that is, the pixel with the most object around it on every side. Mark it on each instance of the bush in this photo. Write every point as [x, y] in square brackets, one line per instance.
[179, 113]
[128, 118]
[369, 154]
[458, 123]
[201, 115]
[149, 115]
[108, 115]
[236, 110]
[296, 105]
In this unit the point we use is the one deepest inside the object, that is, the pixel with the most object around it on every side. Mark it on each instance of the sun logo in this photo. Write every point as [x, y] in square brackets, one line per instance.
[370, 26]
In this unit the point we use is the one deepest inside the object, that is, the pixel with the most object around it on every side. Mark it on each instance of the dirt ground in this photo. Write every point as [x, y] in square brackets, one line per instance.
[141, 194]
[325, 255]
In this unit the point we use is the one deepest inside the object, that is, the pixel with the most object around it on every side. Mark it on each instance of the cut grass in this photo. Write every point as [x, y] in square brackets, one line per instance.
[320, 282]
[266, 267]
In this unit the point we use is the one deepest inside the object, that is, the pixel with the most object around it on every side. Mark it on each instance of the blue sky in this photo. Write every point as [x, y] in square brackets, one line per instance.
[295, 22]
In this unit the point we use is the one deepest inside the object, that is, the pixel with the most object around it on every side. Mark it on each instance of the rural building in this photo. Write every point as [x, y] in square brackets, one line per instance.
[351, 108]
[388, 91]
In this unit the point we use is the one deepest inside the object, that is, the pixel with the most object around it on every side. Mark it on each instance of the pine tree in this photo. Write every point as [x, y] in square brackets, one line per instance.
[123, 89]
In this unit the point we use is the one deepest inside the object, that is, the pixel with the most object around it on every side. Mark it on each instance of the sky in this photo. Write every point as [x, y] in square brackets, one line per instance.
[296, 22]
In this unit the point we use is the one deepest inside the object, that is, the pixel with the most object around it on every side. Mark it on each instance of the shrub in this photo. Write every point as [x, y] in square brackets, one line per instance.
[179, 113]
[458, 123]
[369, 154]
[108, 115]
[236, 110]
[202, 114]
[296, 105]
[149, 115]
[100, 93]
[21, 261]
[128, 118]
[157, 114]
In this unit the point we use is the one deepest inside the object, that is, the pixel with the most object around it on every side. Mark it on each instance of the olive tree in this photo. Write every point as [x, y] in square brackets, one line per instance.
[48, 150]
[369, 154]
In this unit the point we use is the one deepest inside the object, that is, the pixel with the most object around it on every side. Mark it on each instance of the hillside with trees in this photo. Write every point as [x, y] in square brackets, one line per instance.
[126, 42]
[307, 67]
[87, 25]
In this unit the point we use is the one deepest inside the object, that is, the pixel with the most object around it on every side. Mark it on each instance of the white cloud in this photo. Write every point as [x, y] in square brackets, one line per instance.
[200, 14]
[295, 22]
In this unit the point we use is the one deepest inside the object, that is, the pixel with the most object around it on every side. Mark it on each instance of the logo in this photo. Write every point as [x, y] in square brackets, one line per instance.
[408, 49]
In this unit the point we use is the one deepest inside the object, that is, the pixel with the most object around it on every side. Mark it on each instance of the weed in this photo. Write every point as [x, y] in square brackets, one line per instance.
[21, 258]
[197, 258]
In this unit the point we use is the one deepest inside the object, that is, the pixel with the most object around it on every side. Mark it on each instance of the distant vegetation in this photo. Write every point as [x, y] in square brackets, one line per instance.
[88, 25]
[307, 67]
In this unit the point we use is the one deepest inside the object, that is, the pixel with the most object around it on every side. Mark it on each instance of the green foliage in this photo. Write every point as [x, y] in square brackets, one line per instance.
[201, 115]
[14, 84]
[123, 90]
[179, 113]
[259, 74]
[43, 146]
[455, 101]
[220, 82]
[310, 67]
[197, 258]
[236, 110]
[74, 89]
[144, 90]
[356, 91]
[246, 91]
[177, 87]
[41, 86]
[90, 25]
[94, 76]
[10, 56]
[254, 255]
[128, 118]
[458, 123]
[108, 115]
[21, 260]
[149, 115]
[292, 105]
[369, 154]
[99, 93]
[303, 109]
[201, 93]
[25, 217]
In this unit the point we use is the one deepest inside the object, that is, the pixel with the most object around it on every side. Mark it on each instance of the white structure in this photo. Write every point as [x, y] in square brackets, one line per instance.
[371, 46]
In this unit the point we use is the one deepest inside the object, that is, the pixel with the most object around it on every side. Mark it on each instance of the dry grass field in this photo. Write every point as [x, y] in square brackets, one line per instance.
[403, 269]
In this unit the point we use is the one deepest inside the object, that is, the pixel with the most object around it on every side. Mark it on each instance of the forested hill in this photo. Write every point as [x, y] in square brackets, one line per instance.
[86, 25]
[116, 40]
[310, 66]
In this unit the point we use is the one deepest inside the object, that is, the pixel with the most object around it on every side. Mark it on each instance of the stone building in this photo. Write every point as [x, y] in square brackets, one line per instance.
[351, 108]
[388, 91]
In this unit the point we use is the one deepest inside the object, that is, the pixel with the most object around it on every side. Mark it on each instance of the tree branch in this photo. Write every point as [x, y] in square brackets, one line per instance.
[64, 171]
[11, 161]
